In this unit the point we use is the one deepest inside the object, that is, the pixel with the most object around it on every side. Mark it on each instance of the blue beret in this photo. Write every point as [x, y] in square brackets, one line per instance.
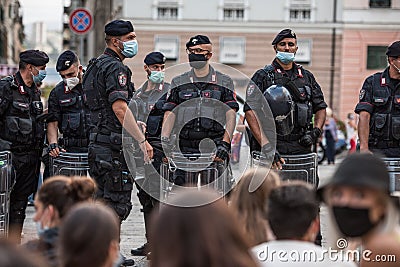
[198, 39]
[286, 33]
[118, 27]
[34, 57]
[154, 58]
[65, 60]
[393, 50]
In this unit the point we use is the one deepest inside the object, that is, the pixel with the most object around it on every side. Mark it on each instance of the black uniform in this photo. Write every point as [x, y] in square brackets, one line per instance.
[67, 107]
[209, 119]
[379, 97]
[20, 107]
[105, 81]
[147, 107]
[306, 93]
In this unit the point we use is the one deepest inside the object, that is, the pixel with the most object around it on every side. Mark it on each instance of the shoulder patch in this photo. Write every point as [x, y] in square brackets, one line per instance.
[250, 89]
[122, 79]
[362, 94]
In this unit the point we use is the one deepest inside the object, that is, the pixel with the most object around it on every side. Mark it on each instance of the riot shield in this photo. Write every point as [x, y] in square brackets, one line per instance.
[69, 164]
[296, 167]
[6, 184]
[393, 166]
[201, 171]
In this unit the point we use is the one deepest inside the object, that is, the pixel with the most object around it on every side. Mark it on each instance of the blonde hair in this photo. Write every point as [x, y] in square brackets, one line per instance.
[249, 207]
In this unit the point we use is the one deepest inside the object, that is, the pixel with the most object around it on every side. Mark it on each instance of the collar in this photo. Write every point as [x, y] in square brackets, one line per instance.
[21, 84]
[210, 78]
[297, 68]
[159, 87]
[112, 53]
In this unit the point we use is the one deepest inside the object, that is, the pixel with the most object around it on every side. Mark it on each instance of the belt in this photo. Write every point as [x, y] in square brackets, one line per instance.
[291, 137]
[201, 135]
[113, 138]
[74, 142]
[386, 144]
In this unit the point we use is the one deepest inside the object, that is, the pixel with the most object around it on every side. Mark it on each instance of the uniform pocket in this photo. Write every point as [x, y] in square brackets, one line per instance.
[380, 97]
[396, 127]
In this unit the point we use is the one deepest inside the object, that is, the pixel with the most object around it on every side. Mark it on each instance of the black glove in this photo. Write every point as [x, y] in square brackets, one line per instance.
[51, 147]
[268, 152]
[311, 137]
[223, 150]
[167, 145]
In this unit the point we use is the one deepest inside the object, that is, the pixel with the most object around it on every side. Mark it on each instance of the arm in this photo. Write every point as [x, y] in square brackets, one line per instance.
[319, 118]
[122, 112]
[168, 123]
[255, 128]
[52, 137]
[230, 125]
[363, 130]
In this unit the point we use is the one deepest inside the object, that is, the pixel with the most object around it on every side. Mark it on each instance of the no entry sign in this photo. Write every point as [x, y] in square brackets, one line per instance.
[80, 21]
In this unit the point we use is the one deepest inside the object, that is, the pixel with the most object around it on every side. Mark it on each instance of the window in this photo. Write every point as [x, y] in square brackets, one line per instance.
[233, 14]
[300, 10]
[380, 3]
[300, 15]
[168, 45]
[232, 50]
[376, 58]
[303, 54]
[167, 13]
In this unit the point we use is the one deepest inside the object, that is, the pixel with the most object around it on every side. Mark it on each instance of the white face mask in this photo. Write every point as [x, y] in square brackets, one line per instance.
[71, 82]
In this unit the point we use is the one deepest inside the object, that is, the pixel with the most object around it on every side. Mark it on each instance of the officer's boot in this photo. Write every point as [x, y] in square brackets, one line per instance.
[143, 250]
[15, 231]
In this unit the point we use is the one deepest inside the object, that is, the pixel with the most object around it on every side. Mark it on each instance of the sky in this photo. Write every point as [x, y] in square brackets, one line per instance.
[48, 11]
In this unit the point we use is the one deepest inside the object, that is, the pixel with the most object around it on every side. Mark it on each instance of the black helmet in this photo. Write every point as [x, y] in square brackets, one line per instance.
[282, 106]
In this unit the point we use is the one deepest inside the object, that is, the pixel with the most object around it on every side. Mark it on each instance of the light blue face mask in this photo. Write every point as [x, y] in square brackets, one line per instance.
[39, 229]
[157, 76]
[285, 57]
[40, 77]
[130, 48]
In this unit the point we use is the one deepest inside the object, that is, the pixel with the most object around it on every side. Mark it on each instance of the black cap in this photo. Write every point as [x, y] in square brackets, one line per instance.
[34, 57]
[118, 27]
[361, 169]
[198, 39]
[154, 58]
[286, 33]
[393, 50]
[65, 60]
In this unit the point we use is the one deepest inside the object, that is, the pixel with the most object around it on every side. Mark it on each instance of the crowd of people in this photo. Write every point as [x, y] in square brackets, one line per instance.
[122, 130]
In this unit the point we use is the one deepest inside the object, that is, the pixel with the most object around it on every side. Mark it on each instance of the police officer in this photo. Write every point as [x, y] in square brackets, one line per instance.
[305, 93]
[67, 110]
[203, 118]
[379, 108]
[22, 132]
[108, 89]
[147, 103]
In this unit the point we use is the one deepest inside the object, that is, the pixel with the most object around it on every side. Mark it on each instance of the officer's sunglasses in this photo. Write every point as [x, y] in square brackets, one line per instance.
[196, 51]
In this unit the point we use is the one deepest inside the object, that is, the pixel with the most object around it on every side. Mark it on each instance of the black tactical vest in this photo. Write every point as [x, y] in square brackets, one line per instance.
[74, 112]
[19, 111]
[385, 119]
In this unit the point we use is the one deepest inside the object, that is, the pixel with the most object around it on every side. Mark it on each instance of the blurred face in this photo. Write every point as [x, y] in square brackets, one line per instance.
[357, 197]
[203, 49]
[287, 45]
[39, 210]
[74, 71]
[154, 67]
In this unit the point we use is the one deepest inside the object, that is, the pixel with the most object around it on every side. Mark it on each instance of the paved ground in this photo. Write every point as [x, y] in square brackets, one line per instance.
[132, 234]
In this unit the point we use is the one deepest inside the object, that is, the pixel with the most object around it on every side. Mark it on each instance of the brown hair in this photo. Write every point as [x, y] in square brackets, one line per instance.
[194, 236]
[63, 192]
[86, 235]
[250, 207]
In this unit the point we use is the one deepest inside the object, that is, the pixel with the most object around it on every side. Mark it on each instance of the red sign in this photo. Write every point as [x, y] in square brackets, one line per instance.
[80, 21]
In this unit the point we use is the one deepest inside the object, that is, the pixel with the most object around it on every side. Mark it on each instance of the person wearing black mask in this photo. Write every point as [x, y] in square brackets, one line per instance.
[209, 115]
[359, 201]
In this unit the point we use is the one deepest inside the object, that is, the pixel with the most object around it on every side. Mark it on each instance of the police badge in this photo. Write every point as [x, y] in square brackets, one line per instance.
[122, 79]
[362, 94]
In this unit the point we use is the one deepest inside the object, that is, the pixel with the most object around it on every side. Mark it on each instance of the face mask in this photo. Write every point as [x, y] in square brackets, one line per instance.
[40, 77]
[130, 48]
[353, 222]
[157, 76]
[71, 82]
[197, 61]
[118, 262]
[398, 70]
[285, 57]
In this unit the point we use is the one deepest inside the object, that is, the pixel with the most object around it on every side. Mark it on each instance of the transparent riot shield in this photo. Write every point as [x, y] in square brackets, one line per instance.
[200, 171]
[296, 167]
[69, 164]
[6, 184]
[393, 166]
